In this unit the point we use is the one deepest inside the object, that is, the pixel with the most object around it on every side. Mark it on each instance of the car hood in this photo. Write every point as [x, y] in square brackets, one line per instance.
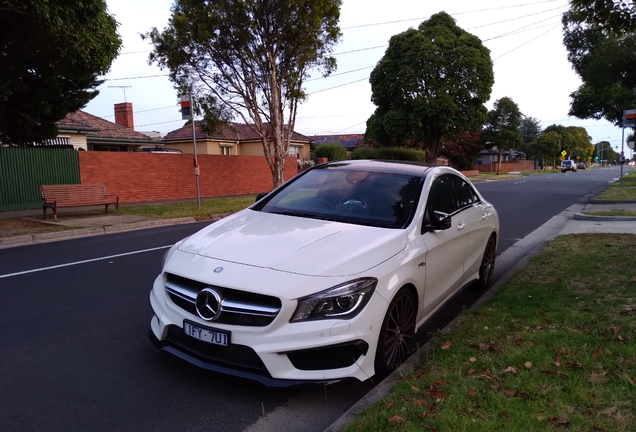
[294, 244]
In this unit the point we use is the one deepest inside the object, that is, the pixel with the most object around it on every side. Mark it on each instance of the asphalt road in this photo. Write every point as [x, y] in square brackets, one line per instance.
[74, 318]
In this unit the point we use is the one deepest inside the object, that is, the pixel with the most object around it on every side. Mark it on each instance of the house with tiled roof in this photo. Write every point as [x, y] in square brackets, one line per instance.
[86, 131]
[350, 141]
[233, 139]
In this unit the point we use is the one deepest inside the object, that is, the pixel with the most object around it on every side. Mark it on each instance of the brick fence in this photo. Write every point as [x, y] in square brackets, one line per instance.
[138, 177]
[510, 166]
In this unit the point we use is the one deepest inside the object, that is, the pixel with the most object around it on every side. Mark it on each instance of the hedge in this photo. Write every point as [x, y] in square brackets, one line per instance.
[331, 151]
[389, 153]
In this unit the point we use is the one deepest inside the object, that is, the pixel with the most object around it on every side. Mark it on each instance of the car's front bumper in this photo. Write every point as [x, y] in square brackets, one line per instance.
[281, 354]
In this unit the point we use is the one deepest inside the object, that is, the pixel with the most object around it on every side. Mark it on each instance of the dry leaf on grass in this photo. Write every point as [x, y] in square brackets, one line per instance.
[629, 379]
[557, 363]
[446, 345]
[472, 359]
[509, 393]
[598, 379]
[510, 369]
[471, 393]
[528, 364]
[437, 394]
[415, 389]
[597, 354]
[558, 421]
[390, 405]
[421, 402]
[610, 411]
[396, 420]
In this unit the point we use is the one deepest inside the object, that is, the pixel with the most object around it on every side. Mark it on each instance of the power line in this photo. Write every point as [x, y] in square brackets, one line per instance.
[341, 85]
[146, 110]
[137, 77]
[340, 73]
[152, 124]
[526, 43]
[514, 19]
[452, 14]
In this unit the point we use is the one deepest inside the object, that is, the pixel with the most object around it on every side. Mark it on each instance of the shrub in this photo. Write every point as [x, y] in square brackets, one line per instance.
[389, 153]
[331, 151]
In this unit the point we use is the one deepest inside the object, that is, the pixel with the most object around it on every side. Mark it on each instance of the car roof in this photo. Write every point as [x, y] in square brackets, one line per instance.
[390, 167]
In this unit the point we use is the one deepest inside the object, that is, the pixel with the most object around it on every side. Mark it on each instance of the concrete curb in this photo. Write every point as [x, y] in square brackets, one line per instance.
[29, 239]
[585, 217]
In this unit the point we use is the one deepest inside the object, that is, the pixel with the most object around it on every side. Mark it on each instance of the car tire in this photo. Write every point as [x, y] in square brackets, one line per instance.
[396, 339]
[487, 267]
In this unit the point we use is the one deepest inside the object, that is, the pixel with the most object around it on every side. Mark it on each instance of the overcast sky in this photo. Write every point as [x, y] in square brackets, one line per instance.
[524, 38]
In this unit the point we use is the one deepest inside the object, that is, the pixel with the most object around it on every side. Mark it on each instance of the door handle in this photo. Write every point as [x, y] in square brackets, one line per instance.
[461, 226]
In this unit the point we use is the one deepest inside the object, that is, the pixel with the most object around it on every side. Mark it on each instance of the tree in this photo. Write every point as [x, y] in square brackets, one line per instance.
[581, 144]
[502, 129]
[604, 60]
[607, 14]
[604, 151]
[530, 130]
[464, 150]
[52, 55]
[249, 59]
[431, 82]
[546, 146]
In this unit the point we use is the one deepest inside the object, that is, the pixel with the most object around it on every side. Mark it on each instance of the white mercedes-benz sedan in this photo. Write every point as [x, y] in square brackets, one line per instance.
[328, 276]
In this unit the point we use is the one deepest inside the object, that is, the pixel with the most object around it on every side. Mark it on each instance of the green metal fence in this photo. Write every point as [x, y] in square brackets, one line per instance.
[23, 170]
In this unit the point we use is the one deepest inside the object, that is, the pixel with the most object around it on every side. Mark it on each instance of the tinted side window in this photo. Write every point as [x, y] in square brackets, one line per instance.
[464, 194]
[441, 196]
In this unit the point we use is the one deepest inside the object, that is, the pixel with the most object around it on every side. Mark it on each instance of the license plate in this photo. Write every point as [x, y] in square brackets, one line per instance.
[213, 336]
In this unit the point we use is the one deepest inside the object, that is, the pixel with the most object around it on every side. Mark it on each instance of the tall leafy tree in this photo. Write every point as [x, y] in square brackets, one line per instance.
[52, 54]
[566, 139]
[432, 82]
[530, 130]
[249, 59]
[546, 147]
[581, 144]
[617, 15]
[604, 59]
[503, 127]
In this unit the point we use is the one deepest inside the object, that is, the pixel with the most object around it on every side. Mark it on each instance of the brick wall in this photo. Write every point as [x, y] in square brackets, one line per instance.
[138, 177]
[510, 166]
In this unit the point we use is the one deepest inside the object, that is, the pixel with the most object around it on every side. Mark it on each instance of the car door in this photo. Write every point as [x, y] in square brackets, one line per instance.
[477, 219]
[446, 249]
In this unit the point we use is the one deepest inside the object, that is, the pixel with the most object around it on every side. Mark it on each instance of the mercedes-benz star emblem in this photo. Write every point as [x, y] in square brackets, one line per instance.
[208, 304]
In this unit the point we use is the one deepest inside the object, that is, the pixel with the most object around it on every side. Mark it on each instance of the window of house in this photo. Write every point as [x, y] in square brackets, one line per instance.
[226, 149]
[294, 151]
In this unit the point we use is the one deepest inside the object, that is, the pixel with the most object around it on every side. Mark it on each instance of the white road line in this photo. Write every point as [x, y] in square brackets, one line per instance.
[8, 275]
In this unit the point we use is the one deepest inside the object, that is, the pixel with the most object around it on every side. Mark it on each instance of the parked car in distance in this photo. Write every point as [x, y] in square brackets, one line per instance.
[568, 165]
[581, 166]
[158, 149]
[327, 277]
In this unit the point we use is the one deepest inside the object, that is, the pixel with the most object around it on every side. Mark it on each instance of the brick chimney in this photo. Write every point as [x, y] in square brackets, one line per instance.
[124, 115]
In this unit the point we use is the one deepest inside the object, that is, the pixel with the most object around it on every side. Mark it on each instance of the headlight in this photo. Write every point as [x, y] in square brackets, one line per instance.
[342, 301]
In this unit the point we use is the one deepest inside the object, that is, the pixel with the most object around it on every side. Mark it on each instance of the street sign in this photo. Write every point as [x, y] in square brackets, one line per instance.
[629, 118]
[186, 109]
[563, 153]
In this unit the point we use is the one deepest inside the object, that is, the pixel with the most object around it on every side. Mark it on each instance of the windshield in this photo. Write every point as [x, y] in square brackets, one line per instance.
[367, 198]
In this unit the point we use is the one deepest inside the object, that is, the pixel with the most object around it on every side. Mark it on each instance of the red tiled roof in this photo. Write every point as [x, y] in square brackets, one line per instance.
[232, 132]
[98, 127]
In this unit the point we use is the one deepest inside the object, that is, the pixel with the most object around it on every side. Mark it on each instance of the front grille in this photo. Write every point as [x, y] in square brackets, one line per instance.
[331, 357]
[235, 356]
[238, 308]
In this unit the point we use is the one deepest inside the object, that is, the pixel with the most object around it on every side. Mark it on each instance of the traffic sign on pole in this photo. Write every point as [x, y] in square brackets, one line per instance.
[629, 118]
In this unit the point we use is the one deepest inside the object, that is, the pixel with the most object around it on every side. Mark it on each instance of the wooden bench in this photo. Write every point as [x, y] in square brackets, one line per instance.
[75, 195]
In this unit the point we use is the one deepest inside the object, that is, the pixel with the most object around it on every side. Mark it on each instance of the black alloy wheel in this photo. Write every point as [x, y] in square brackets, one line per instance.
[487, 268]
[395, 343]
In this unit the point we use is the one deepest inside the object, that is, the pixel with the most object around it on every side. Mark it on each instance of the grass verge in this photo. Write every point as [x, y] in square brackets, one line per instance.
[12, 227]
[616, 192]
[553, 350]
[209, 207]
[494, 176]
[616, 212]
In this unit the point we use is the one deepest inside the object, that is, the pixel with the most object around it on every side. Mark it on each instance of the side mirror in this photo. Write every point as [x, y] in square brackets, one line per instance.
[260, 195]
[441, 221]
